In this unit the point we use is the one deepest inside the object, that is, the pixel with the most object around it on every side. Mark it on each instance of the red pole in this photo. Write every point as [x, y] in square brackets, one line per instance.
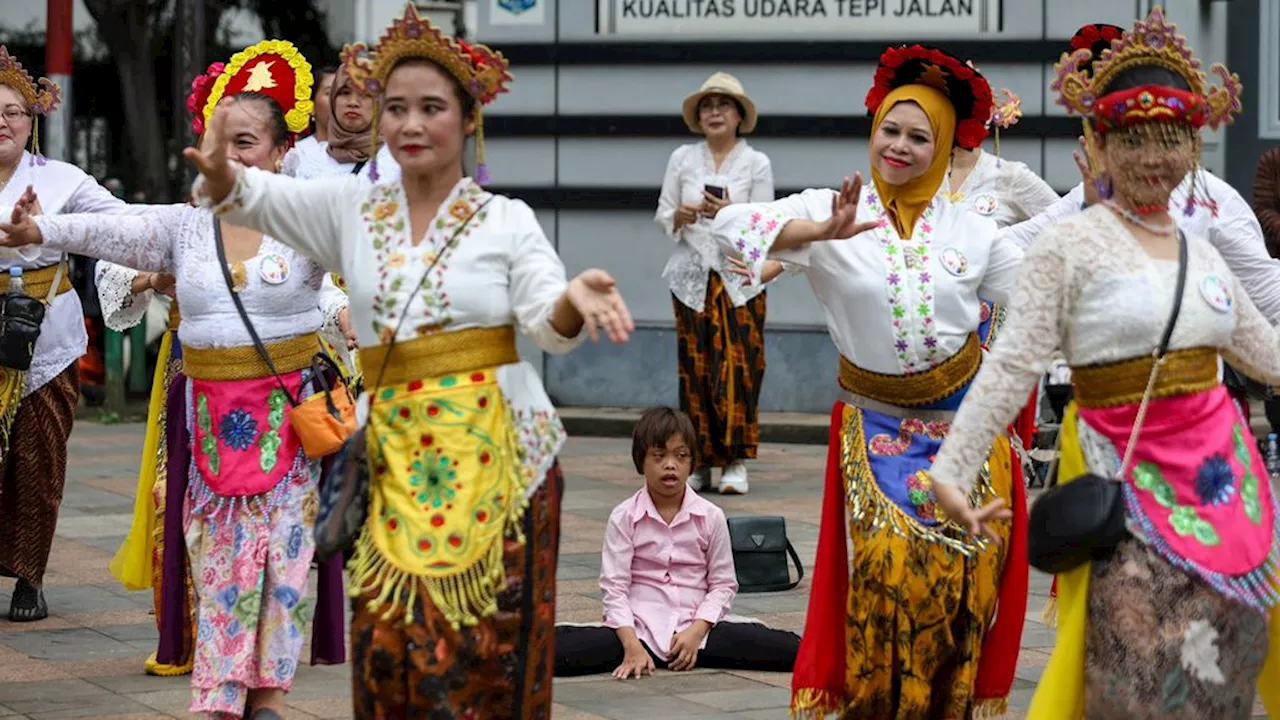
[59, 49]
[61, 38]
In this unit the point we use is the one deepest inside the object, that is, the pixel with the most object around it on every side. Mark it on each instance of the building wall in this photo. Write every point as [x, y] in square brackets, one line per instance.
[585, 134]
[1254, 28]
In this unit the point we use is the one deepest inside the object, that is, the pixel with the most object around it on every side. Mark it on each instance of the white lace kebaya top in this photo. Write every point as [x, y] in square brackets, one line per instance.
[122, 308]
[281, 286]
[500, 271]
[893, 306]
[746, 174]
[62, 188]
[1006, 191]
[1089, 287]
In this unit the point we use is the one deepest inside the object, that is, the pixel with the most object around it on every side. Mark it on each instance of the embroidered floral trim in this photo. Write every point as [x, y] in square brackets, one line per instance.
[920, 493]
[1248, 481]
[1215, 481]
[208, 442]
[1184, 518]
[539, 436]
[754, 240]
[269, 443]
[387, 222]
[883, 444]
[910, 287]
[237, 429]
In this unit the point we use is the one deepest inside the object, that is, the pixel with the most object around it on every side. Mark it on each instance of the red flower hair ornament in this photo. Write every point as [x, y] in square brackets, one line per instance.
[920, 65]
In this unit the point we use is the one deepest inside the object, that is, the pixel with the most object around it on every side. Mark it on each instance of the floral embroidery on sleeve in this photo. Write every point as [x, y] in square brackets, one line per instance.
[754, 240]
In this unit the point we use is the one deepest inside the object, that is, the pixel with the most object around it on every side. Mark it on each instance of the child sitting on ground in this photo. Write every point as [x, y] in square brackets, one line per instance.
[667, 575]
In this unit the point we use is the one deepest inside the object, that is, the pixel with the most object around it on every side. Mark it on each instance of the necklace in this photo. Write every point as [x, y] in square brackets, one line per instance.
[1135, 219]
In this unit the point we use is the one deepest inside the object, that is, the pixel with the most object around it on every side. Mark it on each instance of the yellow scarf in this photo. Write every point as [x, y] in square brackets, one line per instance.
[132, 563]
[907, 201]
[1060, 694]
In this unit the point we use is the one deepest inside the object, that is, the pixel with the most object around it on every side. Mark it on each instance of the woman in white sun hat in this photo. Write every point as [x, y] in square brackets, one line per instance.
[719, 318]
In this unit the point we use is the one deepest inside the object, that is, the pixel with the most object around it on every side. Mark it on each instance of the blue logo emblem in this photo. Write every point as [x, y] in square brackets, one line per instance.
[515, 7]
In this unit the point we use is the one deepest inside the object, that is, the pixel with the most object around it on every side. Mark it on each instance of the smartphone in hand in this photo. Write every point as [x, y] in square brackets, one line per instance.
[716, 190]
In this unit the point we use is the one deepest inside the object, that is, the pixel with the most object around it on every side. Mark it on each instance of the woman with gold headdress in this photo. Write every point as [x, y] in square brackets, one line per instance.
[249, 501]
[37, 404]
[454, 568]
[1176, 618]
[904, 627]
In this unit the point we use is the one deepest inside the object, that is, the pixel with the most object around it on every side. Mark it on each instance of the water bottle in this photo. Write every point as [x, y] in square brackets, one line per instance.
[1272, 456]
[15, 281]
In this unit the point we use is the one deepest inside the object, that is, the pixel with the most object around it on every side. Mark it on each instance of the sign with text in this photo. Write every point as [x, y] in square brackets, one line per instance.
[827, 19]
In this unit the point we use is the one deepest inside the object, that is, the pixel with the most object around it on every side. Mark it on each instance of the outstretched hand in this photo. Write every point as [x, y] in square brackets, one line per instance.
[210, 159]
[20, 228]
[594, 294]
[844, 212]
[976, 521]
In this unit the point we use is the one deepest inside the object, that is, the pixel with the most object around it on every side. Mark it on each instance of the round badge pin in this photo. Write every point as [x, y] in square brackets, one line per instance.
[954, 261]
[985, 204]
[274, 269]
[984, 313]
[1216, 292]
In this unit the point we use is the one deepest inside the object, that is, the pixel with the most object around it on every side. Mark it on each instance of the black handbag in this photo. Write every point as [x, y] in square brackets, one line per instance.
[1078, 521]
[760, 549]
[344, 497]
[21, 317]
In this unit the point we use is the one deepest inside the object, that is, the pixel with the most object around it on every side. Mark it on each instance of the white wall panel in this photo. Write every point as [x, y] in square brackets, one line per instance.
[775, 89]
[522, 162]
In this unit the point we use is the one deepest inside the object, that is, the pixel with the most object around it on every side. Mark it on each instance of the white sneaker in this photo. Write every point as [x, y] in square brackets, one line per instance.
[733, 481]
[700, 480]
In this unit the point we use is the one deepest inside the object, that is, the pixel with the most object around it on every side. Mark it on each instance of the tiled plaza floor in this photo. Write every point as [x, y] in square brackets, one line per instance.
[85, 661]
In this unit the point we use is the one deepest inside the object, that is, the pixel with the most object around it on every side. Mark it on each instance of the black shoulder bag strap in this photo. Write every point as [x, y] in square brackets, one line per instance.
[244, 315]
[1177, 295]
[418, 288]
[359, 166]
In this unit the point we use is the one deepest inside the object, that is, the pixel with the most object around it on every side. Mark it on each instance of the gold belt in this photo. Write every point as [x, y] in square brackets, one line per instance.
[439, 354]
[1123, 383]
[37, 282]
[916, 389]
[244, 362]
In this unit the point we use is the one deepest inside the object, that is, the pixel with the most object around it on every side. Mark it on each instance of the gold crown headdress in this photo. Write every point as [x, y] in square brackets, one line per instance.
[481, 71]
[41, 96]
[1152, 41]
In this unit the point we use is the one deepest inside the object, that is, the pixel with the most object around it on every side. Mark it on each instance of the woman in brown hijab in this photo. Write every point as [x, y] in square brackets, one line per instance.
[350, 139]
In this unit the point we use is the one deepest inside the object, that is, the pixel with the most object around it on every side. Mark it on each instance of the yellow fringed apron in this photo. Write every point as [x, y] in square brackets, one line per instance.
[1060, 694]
[132, 563]
[447, 482]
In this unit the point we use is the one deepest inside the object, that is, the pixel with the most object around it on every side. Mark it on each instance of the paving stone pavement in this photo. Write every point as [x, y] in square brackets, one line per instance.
[85, 661]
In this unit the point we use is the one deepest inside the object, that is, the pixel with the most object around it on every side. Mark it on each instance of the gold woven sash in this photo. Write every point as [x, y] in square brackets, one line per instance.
[1123, 383]
[916, 389]
[244, 362]
[37, 282]
[440, 353]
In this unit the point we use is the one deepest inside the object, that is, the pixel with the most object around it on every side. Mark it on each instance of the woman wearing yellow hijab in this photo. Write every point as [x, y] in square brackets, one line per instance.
[905, 627]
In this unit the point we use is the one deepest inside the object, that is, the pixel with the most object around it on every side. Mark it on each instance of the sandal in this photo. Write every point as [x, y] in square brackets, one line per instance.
[27, 604]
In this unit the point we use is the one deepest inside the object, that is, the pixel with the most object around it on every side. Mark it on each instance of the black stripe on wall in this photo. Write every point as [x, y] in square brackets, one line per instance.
[767, 126]
[743, 52]
[594, 198]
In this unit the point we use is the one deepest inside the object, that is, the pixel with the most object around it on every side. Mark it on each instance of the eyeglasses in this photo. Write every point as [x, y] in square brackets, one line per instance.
[13, 114]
